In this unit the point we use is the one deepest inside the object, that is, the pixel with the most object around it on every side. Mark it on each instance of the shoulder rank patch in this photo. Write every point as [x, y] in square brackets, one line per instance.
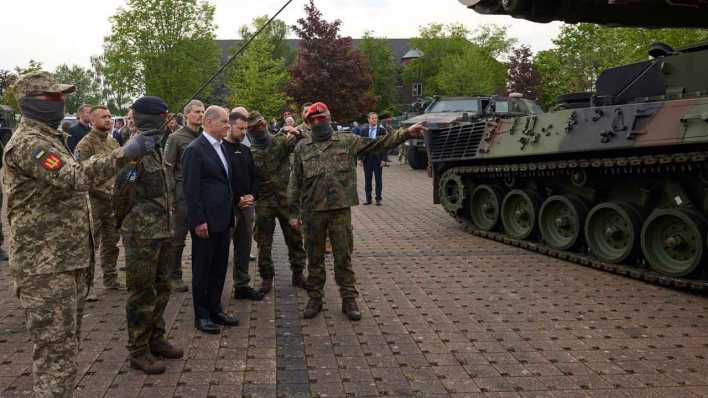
[48, 160]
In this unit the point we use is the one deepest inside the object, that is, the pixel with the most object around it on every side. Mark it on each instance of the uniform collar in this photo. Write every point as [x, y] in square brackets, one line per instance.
[99, 134]
[43, 128]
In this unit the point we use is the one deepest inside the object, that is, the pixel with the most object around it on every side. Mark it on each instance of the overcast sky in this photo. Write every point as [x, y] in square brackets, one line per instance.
[70, 31]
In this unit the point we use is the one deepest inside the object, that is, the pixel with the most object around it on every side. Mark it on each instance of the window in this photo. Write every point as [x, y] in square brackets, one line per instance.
[417, 89]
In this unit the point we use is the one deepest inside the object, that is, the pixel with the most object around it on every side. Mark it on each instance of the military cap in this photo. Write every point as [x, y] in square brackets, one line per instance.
[150, 105]
[254, 118]
[40, 83]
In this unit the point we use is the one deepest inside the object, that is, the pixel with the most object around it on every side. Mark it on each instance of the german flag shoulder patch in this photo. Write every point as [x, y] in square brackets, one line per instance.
[47, 159]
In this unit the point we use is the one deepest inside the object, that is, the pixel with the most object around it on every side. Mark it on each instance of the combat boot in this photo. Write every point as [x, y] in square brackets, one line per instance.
[351, 309]
[164, 349]
[314, 306]
[299, 280]
[266, 286]
[147, 363]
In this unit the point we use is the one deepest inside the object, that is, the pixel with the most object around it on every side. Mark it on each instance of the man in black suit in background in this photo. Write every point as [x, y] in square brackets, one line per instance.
[373, 164]
[210, 216]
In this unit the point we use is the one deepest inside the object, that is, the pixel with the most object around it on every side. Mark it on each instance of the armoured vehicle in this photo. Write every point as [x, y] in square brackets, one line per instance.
[446, 111]
[616, 179]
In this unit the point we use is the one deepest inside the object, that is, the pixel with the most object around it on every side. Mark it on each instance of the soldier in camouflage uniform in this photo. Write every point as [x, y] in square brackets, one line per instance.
[99, 142]
[51, 249]
[176, 143]
[142, 211]
[271, 156]
[321, 192]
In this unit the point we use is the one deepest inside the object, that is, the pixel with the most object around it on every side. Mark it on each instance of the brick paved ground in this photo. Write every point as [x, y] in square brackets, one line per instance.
[445, 315]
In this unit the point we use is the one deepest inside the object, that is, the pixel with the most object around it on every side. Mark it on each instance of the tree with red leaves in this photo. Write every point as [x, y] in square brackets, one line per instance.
[329, 69]
[523, 77]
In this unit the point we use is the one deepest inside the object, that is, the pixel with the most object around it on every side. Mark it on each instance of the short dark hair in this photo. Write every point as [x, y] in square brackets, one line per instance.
[370, 114]
[83, 106]
[235, 116]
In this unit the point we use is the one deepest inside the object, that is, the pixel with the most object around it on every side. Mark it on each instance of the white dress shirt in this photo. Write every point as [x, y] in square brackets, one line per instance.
[219, 150]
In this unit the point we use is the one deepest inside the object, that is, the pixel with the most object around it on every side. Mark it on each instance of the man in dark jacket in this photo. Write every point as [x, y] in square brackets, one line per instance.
[210, 216]
[81, 128]
[243, 185]
[373, 163]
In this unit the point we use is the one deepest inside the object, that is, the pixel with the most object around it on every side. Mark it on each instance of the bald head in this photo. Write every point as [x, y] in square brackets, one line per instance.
[216, 121]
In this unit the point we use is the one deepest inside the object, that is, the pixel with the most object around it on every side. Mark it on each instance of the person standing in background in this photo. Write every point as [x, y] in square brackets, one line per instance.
[96, 143]
[175, 146]
[243, 185]
[81, 128]
[373, 163]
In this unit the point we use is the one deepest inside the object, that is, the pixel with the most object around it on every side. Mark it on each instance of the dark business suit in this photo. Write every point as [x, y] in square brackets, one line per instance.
[209, 198]
[372, 163]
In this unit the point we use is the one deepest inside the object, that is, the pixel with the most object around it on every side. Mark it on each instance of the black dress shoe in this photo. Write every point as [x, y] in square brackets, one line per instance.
[248, 293]
[206, 326]
[378, 203]
[368, 202]
[224, 319]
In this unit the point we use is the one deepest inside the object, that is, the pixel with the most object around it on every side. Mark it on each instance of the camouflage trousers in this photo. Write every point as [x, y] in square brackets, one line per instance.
[337, 225]
[264, 229]
[179, 234]
[54, 306]
[106, 236]
[148, 285]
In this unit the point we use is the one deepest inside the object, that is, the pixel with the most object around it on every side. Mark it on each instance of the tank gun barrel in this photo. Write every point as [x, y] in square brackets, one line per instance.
[634, 13]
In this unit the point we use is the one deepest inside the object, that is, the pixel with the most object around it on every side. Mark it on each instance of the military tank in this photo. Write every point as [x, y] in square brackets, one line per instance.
[616, 179]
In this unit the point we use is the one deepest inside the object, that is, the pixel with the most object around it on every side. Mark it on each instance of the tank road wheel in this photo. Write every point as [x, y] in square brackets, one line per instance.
[673, 241]
[485, 203]
[612, 231]
[452, 192]
[561, 221]
[519, 213]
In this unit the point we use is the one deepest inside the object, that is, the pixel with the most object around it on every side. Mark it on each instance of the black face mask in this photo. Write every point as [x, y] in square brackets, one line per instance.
[50, 113]
[321, 132]
[260, 136]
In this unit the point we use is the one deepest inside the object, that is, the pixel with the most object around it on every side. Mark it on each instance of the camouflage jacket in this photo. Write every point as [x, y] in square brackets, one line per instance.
[97, 143]
[324, 173]
[142, 201]
[47, 206]
[174, 149]
[273, 170]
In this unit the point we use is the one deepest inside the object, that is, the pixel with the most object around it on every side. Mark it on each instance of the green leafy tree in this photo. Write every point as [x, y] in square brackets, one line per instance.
[161, 47]
[456, 61]
[115, 97]
[87, 89]
[581, 52]
[384, 71]
[276, 34]
[473, 72]
[259, 76]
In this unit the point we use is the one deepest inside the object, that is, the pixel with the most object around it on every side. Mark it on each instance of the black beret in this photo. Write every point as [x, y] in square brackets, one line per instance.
[150, 105]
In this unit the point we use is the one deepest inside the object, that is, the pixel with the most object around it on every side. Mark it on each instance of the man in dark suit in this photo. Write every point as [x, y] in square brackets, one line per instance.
[210, 216]
[373, 164]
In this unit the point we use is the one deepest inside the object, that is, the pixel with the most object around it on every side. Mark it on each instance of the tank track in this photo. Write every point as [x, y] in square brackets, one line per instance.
[618, 165]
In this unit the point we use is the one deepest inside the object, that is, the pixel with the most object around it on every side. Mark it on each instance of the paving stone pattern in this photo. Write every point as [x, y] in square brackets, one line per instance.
[445, 314]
